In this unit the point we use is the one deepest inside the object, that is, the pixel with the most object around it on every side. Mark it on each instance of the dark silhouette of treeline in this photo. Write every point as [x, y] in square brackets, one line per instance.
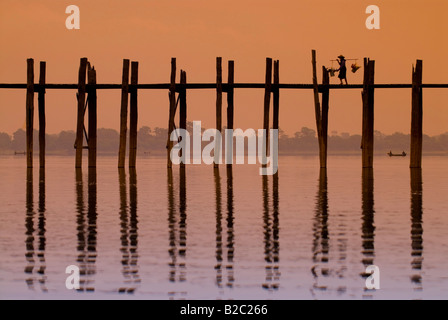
[153, 141]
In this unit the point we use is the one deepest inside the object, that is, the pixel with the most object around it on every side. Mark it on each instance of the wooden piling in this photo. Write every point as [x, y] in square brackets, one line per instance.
[123, 113]
[316, 91]
[183, 109]
[133, 116]
[368, 113]
[417, 116]
[267, 102]
[41, 107]
[276, 101]
[29, 112]
[276, 96]
[230, 107]
[321, 112]
[172, 96]
[323, 141]
[91, 79]
[81, 102]
[218, 141]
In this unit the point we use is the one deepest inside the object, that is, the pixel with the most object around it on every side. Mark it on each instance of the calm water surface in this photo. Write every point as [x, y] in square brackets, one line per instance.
[201, 233]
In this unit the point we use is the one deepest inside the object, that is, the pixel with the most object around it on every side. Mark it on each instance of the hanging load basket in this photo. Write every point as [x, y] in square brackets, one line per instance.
[355, 67]
[331, 71]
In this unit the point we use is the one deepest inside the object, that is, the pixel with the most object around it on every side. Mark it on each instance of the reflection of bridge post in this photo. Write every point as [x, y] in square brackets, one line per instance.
[91, 220]
[29, 224]
[81, 226]
[275, 230]
[182, 222]
[128, 230]
[417, 224]
[86, 222]
[218, 266]
[219, 229]
[31, 231]
[171, 226]
[133, 223]
[368, 213]
[230, 231]
[177, 236]
[320, 231]
[271, 235]
[123, 227]
[41, 228]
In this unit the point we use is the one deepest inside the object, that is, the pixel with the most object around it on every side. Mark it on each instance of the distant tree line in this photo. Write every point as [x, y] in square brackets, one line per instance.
[153, 140]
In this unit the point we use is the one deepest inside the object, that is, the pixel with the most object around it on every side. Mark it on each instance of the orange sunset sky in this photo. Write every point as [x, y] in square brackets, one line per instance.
[246, 31]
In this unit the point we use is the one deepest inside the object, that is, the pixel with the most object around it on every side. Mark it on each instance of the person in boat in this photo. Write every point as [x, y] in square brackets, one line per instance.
[342, 69]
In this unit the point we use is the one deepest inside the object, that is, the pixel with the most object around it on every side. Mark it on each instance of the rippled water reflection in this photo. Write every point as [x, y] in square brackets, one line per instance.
[205, 233]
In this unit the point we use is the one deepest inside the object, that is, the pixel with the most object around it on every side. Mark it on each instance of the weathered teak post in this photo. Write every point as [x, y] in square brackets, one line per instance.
[133, 115]
[41, 106]
[315, 90]
[368, 113]
[276, 98]
[218, 141]
[29, 112]
[183, 109]
[321, 113]
[92, 109]
[417, 116]
[123, 113]
[324, 118]
[276, 95]
[172, 95]
[230, 106]
[267, 102]
[81, 102]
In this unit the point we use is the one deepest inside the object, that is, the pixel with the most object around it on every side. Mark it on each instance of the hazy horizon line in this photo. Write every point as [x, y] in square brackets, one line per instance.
[281, 132]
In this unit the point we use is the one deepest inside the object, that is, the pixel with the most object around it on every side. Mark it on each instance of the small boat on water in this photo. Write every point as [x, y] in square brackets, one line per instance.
[19, 153]
[390, 154]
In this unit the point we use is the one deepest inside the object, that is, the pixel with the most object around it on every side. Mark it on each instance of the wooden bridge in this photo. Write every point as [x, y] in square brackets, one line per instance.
[87, 101]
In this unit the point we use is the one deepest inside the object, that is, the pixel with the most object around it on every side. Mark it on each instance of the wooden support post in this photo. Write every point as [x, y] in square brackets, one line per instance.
[133, 115]
[123, 113]
[417, 116]
[316, 91]
[183, 108]
[41, 107]
[276, 101]
[321, 113]
[172, 96]
[29, 112]
[324, 118]
[218, 137]
[368, 113]
[276, 96]
[91, 76]
[230, 106]
[267, 102]
[80, 120]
